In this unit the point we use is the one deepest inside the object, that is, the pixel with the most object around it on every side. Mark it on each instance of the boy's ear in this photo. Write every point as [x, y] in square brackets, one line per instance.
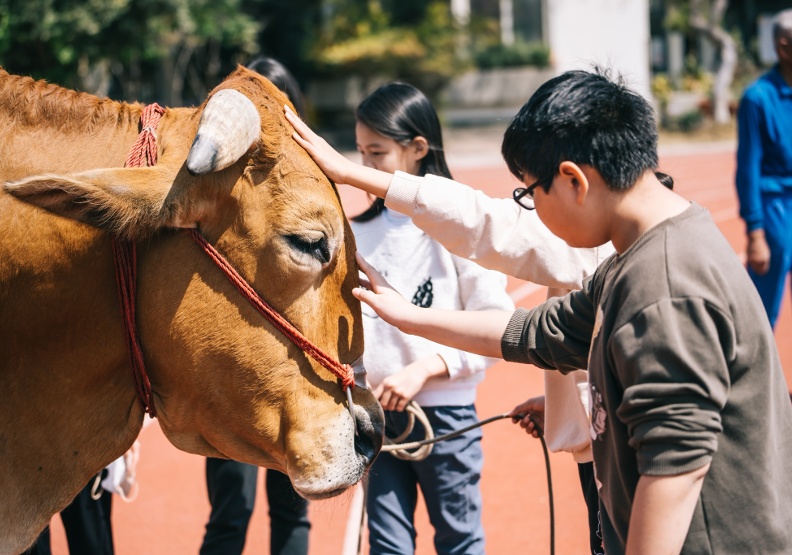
[577, 177]
[420, 147]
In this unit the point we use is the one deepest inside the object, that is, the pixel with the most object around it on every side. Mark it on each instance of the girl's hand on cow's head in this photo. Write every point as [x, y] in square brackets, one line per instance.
[383, 298]
[332, 163]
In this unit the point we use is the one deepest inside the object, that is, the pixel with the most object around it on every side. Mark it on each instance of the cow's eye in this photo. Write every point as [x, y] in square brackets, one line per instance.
[315, 247]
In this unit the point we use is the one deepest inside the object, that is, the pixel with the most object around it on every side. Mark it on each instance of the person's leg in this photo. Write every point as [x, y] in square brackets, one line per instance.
[391, 499]
[289, 525]
[590, 494]
[232, 493]
[450, 482]
[87, 523]
[778, 232]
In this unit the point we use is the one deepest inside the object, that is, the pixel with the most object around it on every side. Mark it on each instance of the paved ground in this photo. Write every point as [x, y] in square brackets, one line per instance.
[168, 516]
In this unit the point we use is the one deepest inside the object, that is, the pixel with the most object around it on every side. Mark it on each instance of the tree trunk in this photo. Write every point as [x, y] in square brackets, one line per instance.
[94, 78]
[179, 75]
[712, 27]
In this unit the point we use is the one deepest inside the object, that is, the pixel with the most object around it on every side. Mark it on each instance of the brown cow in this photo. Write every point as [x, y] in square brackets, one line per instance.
[225, 383]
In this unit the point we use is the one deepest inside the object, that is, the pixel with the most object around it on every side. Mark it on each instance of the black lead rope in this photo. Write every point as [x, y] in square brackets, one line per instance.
[550, 493]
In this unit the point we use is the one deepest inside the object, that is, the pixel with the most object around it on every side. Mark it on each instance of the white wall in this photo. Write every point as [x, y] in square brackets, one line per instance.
[610, 33]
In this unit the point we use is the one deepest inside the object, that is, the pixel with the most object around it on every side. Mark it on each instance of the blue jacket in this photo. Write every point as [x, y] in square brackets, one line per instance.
[764, 150]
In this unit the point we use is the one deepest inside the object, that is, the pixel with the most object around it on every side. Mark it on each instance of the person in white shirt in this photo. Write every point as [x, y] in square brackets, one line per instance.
[398, 129]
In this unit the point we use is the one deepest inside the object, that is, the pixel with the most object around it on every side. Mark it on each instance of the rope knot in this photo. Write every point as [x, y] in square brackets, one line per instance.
[348, 378]
[144, 151]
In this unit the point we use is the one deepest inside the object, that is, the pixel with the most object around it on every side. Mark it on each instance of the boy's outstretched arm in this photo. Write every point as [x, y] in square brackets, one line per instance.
[335, 165]
[474, 331]
[662, 510]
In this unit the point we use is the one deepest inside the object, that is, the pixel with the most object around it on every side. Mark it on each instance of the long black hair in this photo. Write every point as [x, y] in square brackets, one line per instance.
[276, 72]
[401, 112]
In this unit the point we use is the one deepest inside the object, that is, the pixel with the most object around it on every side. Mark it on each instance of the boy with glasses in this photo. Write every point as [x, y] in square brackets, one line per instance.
[690, 419]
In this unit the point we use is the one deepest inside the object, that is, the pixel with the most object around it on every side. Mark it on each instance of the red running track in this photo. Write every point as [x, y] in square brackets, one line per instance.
[169, 514]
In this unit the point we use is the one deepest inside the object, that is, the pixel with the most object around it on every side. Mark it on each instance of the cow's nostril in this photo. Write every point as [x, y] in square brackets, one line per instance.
[368, 441]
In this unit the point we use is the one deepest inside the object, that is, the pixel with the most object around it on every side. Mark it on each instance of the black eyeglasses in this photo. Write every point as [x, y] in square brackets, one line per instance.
[522, 194]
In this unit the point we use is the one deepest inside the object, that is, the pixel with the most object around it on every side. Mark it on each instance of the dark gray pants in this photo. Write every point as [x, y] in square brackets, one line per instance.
[232, 494]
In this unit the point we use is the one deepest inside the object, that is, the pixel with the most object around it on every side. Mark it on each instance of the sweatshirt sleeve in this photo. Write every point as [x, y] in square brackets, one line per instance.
[479, 289]
[554, 335]
[495, 233]
[675, 380]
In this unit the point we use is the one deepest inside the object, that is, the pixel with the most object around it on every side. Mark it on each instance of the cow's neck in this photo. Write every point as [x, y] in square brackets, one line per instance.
[69, 406]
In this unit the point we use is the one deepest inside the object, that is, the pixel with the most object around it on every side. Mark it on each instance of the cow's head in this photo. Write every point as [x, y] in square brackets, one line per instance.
[225, 383]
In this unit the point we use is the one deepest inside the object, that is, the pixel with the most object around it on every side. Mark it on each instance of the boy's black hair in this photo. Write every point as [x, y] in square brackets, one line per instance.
[401, 112]
[585, 118]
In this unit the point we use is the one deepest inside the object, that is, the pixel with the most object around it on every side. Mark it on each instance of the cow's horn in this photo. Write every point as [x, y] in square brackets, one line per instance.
[229, 126]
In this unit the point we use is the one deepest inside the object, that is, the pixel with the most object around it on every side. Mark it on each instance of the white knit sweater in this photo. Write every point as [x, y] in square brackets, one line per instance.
[426, 273]
[500, 235]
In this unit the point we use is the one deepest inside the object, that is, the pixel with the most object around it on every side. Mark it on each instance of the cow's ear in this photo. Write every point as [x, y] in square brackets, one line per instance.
[131, 203]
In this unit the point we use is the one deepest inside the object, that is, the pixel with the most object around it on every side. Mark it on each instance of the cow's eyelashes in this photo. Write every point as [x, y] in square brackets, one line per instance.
[317, 248]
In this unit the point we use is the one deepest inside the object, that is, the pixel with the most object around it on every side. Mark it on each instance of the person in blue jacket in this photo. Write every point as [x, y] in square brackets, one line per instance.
[764, 171]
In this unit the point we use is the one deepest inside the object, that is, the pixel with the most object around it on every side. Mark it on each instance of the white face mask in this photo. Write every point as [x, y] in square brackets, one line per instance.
[121, 476]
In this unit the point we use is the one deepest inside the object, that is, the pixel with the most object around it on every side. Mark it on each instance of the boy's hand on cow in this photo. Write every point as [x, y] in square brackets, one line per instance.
[530, 415]
[332, 163]
[383, 298]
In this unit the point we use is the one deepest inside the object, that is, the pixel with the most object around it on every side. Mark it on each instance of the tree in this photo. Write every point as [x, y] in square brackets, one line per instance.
[706, 17]
[171, 51]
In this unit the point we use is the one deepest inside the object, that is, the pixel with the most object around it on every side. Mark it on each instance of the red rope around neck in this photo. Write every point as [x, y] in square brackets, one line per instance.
[143, 153]
[125, 261]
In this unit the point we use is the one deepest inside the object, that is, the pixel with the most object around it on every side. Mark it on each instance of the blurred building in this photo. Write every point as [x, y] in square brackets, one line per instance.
[580, 34]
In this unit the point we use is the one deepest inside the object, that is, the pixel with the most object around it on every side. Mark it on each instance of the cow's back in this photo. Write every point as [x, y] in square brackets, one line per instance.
[45, 128]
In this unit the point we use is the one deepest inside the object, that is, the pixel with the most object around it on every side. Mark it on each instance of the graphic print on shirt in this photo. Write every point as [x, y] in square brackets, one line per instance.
[598, 416]
[597, 427]
[423, 296]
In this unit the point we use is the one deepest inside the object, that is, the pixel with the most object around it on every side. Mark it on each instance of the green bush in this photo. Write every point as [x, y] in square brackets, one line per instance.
[425, 54]
[685, 123]
[518, 54]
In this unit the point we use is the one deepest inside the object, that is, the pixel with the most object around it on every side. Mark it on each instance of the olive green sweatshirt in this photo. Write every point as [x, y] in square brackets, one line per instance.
[683, 371]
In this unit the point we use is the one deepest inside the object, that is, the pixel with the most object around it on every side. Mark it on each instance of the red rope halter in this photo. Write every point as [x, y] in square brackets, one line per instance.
[342, 371]
[144, 152]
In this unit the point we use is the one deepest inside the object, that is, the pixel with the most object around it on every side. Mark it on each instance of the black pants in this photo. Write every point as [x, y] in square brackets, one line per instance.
[87, 525]
[232, 495]
[589, 485]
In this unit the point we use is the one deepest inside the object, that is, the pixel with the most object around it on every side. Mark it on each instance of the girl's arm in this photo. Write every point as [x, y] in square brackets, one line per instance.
[337, 167]
[494, 233]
